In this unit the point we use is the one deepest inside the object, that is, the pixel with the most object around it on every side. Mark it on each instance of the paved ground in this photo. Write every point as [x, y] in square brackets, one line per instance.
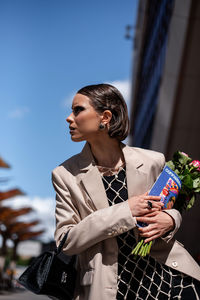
[22, 296]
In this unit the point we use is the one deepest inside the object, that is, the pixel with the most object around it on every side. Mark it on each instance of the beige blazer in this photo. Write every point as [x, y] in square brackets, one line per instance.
[82, 208]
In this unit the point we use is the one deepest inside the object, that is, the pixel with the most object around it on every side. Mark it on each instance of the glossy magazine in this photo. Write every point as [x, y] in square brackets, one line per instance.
[167, 185]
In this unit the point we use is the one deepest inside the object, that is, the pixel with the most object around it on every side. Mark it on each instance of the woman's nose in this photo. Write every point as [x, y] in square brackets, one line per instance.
[70, 118]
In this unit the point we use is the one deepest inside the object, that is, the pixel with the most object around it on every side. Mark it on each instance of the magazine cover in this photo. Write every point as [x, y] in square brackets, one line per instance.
[167, 185]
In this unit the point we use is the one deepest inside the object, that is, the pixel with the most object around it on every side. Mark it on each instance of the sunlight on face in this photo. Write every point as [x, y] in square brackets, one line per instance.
[84, 120]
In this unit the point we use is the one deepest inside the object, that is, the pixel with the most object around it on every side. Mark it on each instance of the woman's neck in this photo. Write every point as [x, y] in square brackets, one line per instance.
[108, 153]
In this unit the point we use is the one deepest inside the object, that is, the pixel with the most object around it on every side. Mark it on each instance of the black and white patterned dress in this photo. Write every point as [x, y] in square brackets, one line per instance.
[144, 278]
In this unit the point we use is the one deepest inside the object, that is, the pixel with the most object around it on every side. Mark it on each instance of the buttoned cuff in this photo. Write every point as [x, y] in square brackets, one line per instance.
[125, 222]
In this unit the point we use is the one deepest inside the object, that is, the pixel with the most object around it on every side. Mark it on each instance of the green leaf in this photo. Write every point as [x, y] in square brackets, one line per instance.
[195, 175]
[181, 177]
[171, 165]
[183, 159]
[191, 202]
[177, 171]
[196, 183]
[187, 181]
[186, 171]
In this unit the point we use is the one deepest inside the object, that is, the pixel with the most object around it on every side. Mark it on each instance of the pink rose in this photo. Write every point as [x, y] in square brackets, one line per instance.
[196, 163]
[184, 154]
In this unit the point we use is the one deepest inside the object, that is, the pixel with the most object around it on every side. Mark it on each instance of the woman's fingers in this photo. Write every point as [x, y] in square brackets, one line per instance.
[153, 237]
[150, 213]
[154, 198]
[159, 224]
[150, 233]
[153, 202]
[152, 205]
[148, 230]
[147, 218]
[142, 204]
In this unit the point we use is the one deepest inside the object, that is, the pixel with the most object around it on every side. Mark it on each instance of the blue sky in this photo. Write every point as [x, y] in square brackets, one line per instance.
[48, 50]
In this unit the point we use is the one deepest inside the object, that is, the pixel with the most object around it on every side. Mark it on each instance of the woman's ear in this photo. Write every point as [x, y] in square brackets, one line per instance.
[106, 117]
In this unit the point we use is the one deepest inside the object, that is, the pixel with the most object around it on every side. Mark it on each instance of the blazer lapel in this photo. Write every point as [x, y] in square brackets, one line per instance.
[93, 184]
[91, 179]
[136, 178]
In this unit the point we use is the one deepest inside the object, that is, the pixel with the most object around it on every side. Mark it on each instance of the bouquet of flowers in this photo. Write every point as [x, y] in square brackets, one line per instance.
[177, 185]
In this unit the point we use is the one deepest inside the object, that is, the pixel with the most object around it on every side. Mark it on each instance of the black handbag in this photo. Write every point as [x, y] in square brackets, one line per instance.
[52, 274]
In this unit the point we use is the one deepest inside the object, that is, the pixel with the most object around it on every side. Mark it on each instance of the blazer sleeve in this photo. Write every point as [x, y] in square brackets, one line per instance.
[175, 214]
[97, 226]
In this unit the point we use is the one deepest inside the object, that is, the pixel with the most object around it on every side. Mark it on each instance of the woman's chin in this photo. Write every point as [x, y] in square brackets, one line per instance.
[76, 139]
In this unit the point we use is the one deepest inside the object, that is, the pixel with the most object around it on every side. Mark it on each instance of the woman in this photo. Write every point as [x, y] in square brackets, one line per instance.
[101, 193]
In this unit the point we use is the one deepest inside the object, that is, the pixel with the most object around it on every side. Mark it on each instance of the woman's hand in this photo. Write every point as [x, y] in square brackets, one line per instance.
[139, 204]
[159, 224]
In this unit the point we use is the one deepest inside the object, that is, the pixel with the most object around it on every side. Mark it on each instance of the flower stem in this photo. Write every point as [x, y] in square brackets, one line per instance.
[149, 247]
[136, 249]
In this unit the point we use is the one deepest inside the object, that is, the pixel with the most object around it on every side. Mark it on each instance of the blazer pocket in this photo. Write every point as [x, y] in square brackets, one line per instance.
[86, 277]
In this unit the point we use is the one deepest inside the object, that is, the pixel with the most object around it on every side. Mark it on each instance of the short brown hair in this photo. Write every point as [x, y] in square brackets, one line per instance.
[107, 97]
